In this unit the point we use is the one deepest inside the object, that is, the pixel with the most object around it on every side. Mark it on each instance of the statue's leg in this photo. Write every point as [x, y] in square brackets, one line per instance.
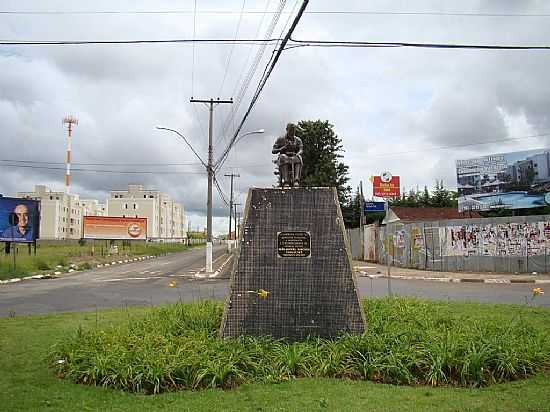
[297, 173]
[283, 169]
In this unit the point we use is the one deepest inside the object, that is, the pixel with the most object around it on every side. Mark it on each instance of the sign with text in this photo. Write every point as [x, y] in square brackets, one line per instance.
[115, 228]
[386, 186]
[19, 219]
[374, 207]
[517, 180]
[293, 244]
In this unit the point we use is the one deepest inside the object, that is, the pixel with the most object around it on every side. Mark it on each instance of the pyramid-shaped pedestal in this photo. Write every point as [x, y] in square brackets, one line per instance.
[292, 276]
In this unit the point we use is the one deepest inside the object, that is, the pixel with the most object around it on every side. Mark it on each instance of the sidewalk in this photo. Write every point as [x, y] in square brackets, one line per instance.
[375, 270]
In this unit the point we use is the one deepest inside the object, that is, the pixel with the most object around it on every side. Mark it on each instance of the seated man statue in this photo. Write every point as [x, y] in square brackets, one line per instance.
[289, 148]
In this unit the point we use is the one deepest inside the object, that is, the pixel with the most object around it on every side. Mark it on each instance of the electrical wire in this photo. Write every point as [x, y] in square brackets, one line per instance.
[251, 72]
[327, 43]
[252, 12]
[102, 164]
[152, 172]
[142, 41]
[262, 84]
[220, 191]
[230, 55]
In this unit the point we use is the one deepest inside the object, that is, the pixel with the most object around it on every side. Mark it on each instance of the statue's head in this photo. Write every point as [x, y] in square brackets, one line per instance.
[291, 130]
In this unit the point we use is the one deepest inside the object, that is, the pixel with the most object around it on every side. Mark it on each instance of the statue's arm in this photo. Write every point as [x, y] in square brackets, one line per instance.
[278, 146]
[300, 147]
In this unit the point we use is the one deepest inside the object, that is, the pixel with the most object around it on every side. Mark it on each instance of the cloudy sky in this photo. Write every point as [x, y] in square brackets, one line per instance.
[412, 112]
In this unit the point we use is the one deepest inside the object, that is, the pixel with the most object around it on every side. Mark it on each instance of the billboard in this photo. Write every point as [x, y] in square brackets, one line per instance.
[517, 180]
[386, 186]
[114, 227]
[19, 219]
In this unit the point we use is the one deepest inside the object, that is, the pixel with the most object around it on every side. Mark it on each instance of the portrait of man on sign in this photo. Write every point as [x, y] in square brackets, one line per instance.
[18, 220]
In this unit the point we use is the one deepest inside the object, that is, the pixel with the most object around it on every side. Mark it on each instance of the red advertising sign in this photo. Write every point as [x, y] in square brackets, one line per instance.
[386, 186]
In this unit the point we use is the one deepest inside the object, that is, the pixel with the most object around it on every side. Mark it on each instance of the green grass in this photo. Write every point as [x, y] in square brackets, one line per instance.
[50, 254]
[408, 342]
[28, 385]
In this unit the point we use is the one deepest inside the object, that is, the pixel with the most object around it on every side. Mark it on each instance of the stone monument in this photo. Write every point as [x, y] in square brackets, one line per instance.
[292, 276]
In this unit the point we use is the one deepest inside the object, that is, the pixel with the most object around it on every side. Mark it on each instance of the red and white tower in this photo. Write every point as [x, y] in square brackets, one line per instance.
[69, 121]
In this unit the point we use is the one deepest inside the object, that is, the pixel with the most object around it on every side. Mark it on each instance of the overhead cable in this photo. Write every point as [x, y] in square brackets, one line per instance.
[261, 85]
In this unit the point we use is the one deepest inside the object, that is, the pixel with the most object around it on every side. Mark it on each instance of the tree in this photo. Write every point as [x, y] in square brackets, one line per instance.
[441, 196]
[322, 165]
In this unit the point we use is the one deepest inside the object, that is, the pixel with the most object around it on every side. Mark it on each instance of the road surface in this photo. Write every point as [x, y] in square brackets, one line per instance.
[147, 283]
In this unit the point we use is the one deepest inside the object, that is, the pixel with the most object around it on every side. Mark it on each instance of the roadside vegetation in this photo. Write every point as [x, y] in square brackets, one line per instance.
[29, 385]
[52, 256]
[408, 342]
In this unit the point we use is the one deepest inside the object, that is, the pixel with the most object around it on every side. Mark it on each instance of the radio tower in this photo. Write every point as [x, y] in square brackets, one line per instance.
[69, 121]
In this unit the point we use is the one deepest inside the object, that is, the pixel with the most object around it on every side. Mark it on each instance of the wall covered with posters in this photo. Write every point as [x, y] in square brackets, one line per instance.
[506, 239]
[504, 244]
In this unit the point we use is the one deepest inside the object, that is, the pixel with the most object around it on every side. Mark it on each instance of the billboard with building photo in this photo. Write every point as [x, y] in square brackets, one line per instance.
[19, 219]
[517, 180]
[114, 228]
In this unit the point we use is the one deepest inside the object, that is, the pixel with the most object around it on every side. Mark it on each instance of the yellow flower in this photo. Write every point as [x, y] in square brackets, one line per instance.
[538, 291]
[172, 284]
[262, 293]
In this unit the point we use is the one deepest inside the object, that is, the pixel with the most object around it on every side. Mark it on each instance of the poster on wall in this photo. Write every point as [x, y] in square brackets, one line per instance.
[114, 228]
[517, 180]
[19, 220]
[502, 239]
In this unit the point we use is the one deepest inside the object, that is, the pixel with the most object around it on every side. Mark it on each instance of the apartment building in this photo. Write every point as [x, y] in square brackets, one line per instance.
[60, 213]
[165, 217]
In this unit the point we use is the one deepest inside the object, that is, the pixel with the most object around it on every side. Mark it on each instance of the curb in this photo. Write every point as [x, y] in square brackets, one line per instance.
[457, 280]
[71, 270]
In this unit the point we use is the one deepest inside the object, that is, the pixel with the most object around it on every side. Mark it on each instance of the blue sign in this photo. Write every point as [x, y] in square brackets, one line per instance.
[374, 207]
[19, 219]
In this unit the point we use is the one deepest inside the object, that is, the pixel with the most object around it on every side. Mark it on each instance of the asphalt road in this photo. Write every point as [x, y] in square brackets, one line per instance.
[514, 293]
[138, 283]
[147, 283]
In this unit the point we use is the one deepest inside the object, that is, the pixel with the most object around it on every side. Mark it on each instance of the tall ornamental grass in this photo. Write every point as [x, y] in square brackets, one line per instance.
[408, 341]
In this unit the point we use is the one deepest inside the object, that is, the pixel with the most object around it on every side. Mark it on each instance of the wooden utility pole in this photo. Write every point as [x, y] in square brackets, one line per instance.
[210, 104]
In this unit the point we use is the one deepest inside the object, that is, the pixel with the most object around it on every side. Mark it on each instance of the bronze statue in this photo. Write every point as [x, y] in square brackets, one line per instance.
[289, 163]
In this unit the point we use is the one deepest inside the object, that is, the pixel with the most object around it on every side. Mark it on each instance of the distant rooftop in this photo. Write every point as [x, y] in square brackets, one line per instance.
[415, 214]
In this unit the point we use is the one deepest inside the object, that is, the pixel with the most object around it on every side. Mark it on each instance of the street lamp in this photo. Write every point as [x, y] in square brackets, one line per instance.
[210, 171]
[249, 133]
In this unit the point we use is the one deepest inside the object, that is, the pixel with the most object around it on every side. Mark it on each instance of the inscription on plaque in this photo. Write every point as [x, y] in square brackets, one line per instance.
[293, 244]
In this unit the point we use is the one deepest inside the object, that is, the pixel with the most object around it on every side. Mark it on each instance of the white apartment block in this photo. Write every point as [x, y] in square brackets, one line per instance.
[60, 213]
[165, 217]
[92, 207]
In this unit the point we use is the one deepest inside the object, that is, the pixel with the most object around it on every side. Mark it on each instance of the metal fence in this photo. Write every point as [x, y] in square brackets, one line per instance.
[506, 245]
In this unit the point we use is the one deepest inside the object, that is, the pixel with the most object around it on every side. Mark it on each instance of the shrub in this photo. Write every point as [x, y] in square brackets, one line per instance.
[408, 342]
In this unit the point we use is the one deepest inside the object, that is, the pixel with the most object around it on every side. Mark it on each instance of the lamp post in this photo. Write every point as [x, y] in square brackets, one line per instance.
[210, 171]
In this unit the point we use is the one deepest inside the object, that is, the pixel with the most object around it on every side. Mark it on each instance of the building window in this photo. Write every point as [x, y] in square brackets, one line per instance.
[135, 206]
[125, 205]
[51, 197]
[151, 197]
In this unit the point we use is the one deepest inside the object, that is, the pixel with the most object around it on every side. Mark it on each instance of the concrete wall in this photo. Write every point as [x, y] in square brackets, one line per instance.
[507, 244]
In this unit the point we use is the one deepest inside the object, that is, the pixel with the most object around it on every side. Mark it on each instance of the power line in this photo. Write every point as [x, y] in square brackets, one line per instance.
[329, 43]
[293, 43]
[101, 164]
[232, 48]
[142, 41]
[262, 83]
[152, 172]
[253, 12]
[252, 70]
[461, 145]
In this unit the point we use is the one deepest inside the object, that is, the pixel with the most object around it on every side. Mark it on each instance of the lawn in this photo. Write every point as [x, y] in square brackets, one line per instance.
[28, 384]
[54, 256]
